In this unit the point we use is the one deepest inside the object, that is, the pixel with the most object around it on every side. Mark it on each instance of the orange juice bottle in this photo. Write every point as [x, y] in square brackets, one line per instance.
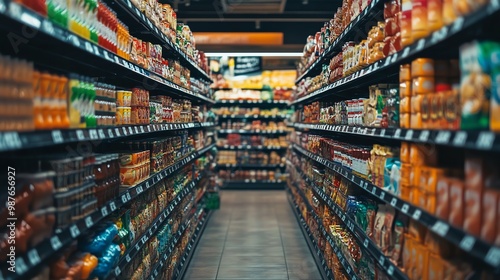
[45, 91]
[62, 99]
[37, 101]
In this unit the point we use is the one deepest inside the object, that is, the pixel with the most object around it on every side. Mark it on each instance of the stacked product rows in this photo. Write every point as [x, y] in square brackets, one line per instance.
[393, 158]
[252, 139]
[104, 138]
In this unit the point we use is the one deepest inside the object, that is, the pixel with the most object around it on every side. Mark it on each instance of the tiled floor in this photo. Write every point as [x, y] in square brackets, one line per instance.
[254, 235]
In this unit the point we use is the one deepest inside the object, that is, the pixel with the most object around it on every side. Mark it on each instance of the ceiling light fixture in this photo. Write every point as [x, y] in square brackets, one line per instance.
[263, 54]
[257, 24]
[305, 2]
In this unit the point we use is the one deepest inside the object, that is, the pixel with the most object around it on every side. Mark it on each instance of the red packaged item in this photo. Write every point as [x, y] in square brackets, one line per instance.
[392, 26]
[391, 7]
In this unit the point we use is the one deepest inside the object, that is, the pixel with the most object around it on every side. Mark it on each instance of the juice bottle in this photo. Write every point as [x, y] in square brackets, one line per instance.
[45, 89]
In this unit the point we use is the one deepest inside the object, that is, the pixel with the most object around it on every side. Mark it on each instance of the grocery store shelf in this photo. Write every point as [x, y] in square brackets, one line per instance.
[151, 231]
[347, 267]
[255, 117]
[37, 256]
[172, 244]
[256, 89]
[251, 148]
[319, 259]
[380, 70]
[477, 140]
[10, 141]
[252, 131]
[350, 33]
[132, 17]
[92, 56]
[364, 241]
[481, 250]
[252, 102]
[249, 184]
[190, 248]
[250, 166]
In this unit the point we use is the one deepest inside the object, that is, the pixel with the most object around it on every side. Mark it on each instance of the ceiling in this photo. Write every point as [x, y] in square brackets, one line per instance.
[295, 18]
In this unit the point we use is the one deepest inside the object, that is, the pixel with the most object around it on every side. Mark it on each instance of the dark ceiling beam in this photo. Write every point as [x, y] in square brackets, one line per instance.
[205, 14]
[253, 20]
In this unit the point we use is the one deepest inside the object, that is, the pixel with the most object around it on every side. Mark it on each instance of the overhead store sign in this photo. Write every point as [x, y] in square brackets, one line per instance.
[247, 65]
[238, 38]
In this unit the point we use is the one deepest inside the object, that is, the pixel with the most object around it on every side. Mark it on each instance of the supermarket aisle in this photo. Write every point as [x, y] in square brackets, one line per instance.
[253, 236]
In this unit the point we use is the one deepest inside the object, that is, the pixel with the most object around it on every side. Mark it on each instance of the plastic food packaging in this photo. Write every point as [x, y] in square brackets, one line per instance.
[101, 241]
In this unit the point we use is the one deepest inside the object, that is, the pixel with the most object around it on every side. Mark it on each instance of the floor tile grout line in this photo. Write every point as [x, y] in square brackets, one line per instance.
[224, 246]
[282, 244]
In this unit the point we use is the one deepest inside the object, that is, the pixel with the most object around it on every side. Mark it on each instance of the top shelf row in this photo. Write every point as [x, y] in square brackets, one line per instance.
[89, 47]
[350, 33]
[438, 40]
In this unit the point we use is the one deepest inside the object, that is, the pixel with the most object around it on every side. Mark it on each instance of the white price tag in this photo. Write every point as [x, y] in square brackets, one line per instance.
[405, 208]
[104, 211]
[365, 243]
[57, 137]
[485, 140]
[79, 135]
[125, 132]
[382, 195]
[424, 135]
[130, 130]
[440, 228]
[409, 134]
[493, 256]
[443, 137]
[390, 270]
[460, 138]
[74, 231]
[127, 258]
[55, 242]
[136, 129]
[93, 134]
[382, 132]
[139, 189]
[101, 134]
[112, 206]
[394, 201]
[88, 47]
[416, 215]
[420, 45]
[117, 271]
[33, 257]
[48, 27]
[124, 198]
[142, 129]
[89, 222]
[467, 243]
[117, 132]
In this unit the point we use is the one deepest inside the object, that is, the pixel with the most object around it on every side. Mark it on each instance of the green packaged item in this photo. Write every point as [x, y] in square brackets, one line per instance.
[476, 83]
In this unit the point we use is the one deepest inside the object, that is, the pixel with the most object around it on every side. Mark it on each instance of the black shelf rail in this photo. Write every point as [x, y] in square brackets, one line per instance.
[38, 255]
[350, 33]
[319, 259]
[153, 228]
[382, 261]
[251, 102]
[254, 117]
[253, 181]
[252, 131]
[190, 248]
[475, 140]
[250, 166]
[251, 148]
[256, 89]
[378, 71]
[347, 267]
[10, 141]
[86, 49]
[128, 7]
[481, 250]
